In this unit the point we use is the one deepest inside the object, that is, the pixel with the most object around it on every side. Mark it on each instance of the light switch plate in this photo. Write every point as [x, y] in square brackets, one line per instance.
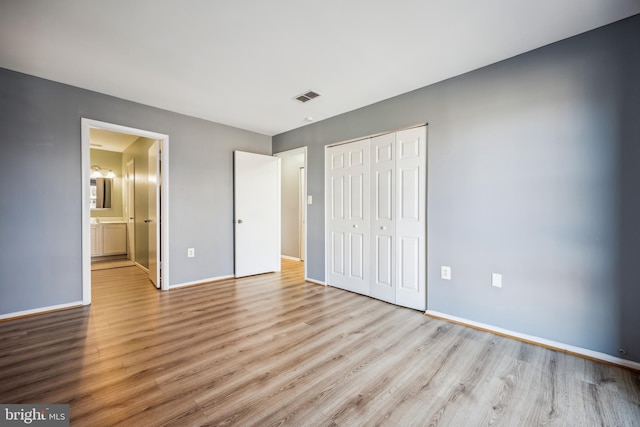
[496, 280]
[191, 252]
[445, 272]
[309, 200]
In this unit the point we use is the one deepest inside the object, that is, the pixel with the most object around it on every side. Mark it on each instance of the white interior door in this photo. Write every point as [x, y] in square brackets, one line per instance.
[347, 204]
[131, 202]
[153, 218]
[411, 148]
[257, 213]
[383, 213]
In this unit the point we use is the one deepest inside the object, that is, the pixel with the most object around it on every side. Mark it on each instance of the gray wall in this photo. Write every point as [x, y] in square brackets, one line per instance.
[40, 188]
[533, 172]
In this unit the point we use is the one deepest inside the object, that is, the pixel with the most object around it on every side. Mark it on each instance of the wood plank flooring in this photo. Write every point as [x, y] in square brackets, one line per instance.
[274, 350]
[105, 264]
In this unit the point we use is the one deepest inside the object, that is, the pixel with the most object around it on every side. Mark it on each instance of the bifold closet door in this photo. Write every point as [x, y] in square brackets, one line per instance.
[376, 217]
[410, 222]
[383, 213]
[398, 218]
[348, 205]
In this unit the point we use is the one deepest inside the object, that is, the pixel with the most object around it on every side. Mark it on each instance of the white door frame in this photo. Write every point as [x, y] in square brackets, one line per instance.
[294, 152]
[154, 213]
[302, 208]
[130, 208]
[86, 125]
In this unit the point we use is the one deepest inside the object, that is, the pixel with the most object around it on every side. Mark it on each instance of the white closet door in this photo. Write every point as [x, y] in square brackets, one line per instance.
[348, 223]
[383, 212]
[411, 147]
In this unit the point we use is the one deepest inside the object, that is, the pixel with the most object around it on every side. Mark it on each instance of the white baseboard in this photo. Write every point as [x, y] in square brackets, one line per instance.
[290, 257]
[317, 282]
[201, 282]
[579, 351]
[141, 267]
[41, 310]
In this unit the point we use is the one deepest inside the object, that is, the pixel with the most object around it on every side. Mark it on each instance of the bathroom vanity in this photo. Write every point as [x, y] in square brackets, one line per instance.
[108, 238]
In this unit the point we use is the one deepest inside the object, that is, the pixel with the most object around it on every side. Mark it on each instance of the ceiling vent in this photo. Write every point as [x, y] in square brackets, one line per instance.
[307, 96]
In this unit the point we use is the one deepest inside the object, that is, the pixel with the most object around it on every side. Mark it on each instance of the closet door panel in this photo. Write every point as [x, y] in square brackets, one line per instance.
[383, 217]
[411, 221]
[337, 198]
[383, 263]
[356, 261]
[347, 228]
[408, 271]
[408, 194]
[356, 198]
[337, 257]
[383, 195]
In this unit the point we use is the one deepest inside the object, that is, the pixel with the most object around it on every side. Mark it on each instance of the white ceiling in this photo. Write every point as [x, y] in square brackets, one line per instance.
[241, 62]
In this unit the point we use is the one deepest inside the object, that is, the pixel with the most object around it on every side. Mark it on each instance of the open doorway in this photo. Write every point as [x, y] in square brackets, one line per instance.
[110, 185]
[294, 204]
[155, 218]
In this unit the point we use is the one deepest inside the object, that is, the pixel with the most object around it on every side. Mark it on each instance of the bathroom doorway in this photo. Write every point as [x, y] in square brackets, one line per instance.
[128, 215]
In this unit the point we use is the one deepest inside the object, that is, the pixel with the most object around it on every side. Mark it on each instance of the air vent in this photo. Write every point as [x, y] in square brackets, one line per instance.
[307, 96]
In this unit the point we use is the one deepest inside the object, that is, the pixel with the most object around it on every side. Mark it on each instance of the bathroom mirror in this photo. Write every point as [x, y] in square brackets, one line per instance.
[101, 190]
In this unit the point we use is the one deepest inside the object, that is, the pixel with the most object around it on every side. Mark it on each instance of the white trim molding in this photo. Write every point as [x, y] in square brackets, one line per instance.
[41, 310]
[317, 282]
[202, 282]
[291, 258]
[554, 345]
[142, 267]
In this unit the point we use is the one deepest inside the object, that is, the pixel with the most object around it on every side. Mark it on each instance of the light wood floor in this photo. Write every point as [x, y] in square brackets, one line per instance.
[105, 264]
[273, 350]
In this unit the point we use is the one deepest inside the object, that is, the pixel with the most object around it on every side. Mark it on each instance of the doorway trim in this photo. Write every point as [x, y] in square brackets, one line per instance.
[302, 207]
[129, 186]
[293, 152]
[86, 125]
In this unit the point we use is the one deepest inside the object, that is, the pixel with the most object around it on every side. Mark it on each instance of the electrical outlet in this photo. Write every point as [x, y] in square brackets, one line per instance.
[445, 272]
[496, 280]
[191, 252]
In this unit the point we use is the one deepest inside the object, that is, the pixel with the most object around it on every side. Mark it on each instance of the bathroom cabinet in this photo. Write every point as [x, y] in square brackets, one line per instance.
[108, 239]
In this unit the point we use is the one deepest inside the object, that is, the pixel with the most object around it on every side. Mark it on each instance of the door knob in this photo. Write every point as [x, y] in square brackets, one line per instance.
[239, 221]
[355, 225]
[382, 227]
[147, 220]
